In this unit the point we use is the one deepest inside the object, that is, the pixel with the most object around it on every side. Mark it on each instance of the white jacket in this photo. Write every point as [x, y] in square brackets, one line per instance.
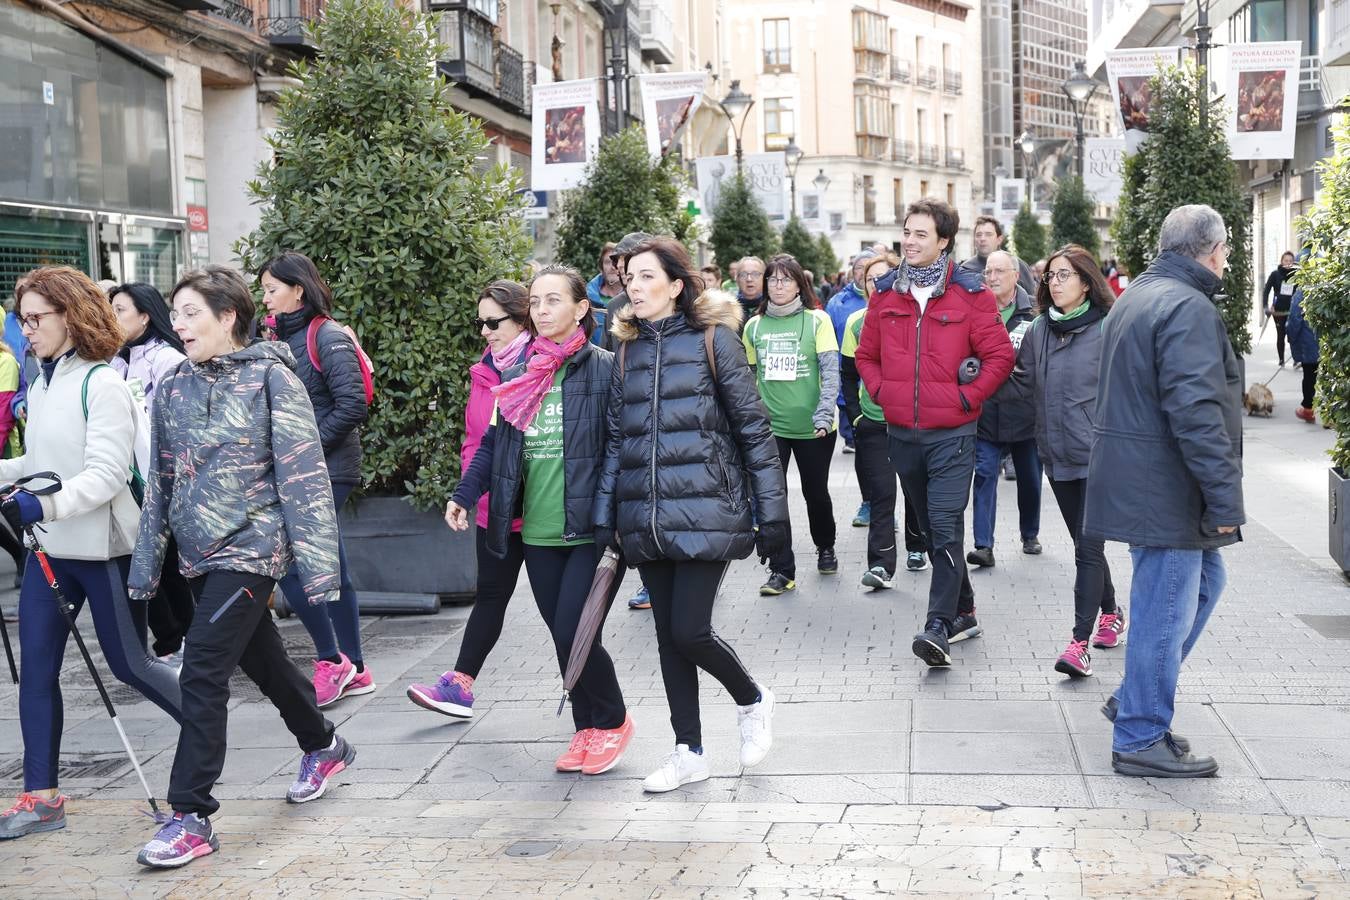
[93, 516]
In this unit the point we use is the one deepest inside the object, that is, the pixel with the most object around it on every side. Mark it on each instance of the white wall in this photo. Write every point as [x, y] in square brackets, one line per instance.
[235, 123]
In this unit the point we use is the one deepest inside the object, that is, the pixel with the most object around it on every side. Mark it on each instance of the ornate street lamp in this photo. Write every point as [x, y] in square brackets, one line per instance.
[1079, 88]
[1027, 141]
[736, 105]
[792, 155]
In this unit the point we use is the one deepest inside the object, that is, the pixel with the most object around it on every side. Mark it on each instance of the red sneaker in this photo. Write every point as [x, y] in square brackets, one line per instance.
[1305, 414]
[575, 757]
[606, 747]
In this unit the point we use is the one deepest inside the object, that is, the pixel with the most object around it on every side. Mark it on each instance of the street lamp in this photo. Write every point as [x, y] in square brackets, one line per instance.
[1027, 141]
[1079, 88]
[792, 155]
[736, 104]
[821, 181]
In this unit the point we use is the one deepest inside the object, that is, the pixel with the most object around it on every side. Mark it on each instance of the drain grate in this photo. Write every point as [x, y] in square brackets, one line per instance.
[527, 849]
[71, 767]
[1336, 628]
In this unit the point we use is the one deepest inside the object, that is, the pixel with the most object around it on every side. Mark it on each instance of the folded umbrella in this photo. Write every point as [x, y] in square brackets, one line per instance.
[604, 586]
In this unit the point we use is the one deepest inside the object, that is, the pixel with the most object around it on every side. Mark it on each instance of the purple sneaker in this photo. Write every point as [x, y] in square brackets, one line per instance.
[449, 696]
[317, 767]
[182, 839]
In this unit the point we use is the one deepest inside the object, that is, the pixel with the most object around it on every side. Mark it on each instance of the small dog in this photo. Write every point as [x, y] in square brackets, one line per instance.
[1259, 401]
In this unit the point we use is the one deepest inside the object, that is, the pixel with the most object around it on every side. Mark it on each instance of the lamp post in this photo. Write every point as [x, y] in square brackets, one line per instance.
[557, 47]
[821, 181]
[792, 155]
[736, 104]
[1027, 141]
[1079, 88]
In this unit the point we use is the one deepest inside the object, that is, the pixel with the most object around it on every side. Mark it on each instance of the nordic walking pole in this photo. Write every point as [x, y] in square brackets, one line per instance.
[9, 651]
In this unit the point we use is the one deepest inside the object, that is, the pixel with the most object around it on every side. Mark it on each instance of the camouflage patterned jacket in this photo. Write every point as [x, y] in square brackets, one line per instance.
[237, 474]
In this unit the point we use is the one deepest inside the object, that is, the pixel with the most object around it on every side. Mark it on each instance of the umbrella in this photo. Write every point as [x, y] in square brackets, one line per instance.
[603, 588]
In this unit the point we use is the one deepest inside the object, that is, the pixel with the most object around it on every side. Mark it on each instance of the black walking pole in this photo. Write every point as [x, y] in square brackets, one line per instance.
[68, 612]
[9, 651]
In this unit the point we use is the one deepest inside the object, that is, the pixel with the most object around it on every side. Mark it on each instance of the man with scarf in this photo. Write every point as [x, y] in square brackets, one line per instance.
[933, 349]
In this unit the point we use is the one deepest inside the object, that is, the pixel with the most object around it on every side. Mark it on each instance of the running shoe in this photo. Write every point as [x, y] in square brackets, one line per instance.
[1305, 414]
[864, 516]
[1110, 627]
[606, 747]
[182, 839]
[575, 757]
[777, 584]
[641, 600]
[931, 645]
[916, 561]
[317, 768]
[362, 683]
[682, 767]
[31, 813]
[1075, 661]
[826, 562]
[849, 448]
[982, 557]
[331, 678]
[964, 626]
[756, 725]
[878, 578]
[451, 695]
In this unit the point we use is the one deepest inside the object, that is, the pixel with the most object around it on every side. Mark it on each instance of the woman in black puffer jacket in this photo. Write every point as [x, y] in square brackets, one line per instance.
[690, 450]
[295, 296]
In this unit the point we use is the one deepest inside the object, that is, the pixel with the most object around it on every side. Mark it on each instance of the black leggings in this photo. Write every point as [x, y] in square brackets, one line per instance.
[683, 594]
[170, 610]
[561, 578]
[496, 583]
[1092, 587]
[1309, 383]
[1280, 321]
[813, 468]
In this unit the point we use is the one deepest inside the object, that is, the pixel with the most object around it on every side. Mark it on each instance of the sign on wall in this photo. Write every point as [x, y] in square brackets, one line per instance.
[1104, 168]
[668, 103]
[1263, 99]
[1128, 72]
[565, 133]
[766, 173]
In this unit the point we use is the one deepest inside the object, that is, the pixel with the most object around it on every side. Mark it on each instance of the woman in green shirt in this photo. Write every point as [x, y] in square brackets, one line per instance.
[792, 345]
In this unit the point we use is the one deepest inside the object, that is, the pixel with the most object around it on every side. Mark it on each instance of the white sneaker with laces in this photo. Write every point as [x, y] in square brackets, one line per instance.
[756, 723]
[680, 768]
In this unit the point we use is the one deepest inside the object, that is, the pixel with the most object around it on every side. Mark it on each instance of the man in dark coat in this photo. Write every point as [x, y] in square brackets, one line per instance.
[989, 237]
[1165, 477]
[619, 257]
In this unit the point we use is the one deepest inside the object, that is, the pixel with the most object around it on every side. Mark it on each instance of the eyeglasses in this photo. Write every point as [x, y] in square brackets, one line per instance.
[490, 323]
[781, 280]
[33, 321]
[1061, 275]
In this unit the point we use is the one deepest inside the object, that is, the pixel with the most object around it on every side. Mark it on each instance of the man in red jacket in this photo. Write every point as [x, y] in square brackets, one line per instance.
[933, 349]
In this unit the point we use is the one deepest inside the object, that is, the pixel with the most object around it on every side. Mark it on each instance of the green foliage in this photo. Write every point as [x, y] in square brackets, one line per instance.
[1028, 236]
[373, 176]
[798, 241]
[1183, 163]
[1324, 278]
[825, 258]
[1071, 217]
[624, 191]
[740, 226]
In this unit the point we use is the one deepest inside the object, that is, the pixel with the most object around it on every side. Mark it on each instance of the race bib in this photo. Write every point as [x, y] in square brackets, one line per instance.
[780, 367]
[1018, 333]
[1286, 289]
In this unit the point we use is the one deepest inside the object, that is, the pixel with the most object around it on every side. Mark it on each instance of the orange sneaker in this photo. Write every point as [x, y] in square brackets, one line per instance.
[1305, 414]
[606, 747]
[575, 757]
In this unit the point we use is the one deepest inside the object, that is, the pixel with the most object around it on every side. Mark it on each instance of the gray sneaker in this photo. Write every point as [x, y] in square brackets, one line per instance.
[32, 813]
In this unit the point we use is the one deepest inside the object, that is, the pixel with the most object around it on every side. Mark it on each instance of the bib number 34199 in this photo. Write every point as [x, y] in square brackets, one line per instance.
[780, 367]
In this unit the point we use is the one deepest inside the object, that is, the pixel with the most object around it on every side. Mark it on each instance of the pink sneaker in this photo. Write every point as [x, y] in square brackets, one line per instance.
[362, 683]
[1075, 660]
[331, 678]
[1110, 627]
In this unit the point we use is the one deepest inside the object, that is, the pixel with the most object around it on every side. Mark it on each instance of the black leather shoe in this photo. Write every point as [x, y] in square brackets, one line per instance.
[931, 645]
[1163, 760]
[1110, 707]
[1031, 547]
[982, 557]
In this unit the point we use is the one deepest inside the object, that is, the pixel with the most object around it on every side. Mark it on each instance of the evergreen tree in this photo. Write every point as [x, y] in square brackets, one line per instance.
[624, 190]
[1182, 163]
[825, 258]
[798, 241]
[740, 225]
[373, 177]
[1071, 217]
[1028, 236]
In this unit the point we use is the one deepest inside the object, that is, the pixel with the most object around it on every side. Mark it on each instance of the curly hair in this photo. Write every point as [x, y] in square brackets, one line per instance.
[90, 319]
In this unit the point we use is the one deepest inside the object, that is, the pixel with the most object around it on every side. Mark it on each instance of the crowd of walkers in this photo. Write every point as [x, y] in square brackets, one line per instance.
[649, 414]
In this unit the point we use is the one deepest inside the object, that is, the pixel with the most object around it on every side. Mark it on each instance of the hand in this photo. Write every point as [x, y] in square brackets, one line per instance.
[456, 516]
[605, 537]
[821, 432]
[1227, 529]
[21, 508]
[771, 539]
[21, 411]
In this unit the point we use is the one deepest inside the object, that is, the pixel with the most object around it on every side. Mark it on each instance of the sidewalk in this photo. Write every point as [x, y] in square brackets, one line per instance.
[990, 779]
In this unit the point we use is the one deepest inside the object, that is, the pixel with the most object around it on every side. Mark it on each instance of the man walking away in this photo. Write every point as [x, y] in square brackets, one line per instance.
[1165, 477]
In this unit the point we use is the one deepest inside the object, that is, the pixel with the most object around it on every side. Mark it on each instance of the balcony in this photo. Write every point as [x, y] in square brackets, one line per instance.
[929, 154]
[869, 65]
[658, 32]
[511, 88]
[287, 23]
[951, 81]
[956, 158]
[1313, 94]
[1336, 36]
[233, 11]
[927, 76]
[902, 151]
[467, 55]
[902, 72]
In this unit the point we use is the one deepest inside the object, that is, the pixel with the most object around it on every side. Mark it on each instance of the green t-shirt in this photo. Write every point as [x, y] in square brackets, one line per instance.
[852, 337]
[544, 517]
[783, 352]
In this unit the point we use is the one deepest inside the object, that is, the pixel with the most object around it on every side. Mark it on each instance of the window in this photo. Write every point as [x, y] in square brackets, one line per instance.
[872, 119]
[869, 200]
[870, 32]
[780, 122]
[898, 200]
[923, 189]
[951, 194]
[1267, 20]
[777, 45]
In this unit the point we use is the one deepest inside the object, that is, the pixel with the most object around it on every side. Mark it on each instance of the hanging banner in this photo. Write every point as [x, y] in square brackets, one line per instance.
[1009, 195]
[766, 173]
[566, 133]
[1104, 168]
[1263, 99]
[1128, 72]
[668, 103]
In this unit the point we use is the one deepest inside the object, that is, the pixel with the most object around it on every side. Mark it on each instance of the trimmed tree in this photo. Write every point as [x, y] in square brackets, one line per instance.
[1071, 217]
[1155, 184]
[798, 241]
[825, 257]
[740, 225]
[1028, 236]
[624, 190]
[373, 176]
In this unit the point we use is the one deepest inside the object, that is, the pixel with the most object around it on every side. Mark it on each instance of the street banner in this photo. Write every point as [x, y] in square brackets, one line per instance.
[566, 133]
[1009, 195]
[1263, 99]
[766, 173]
[668, 103]
[1128, 72]
[1104, 168]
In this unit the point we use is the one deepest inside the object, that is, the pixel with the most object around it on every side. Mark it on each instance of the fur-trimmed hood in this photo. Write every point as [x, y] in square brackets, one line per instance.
[713, 307]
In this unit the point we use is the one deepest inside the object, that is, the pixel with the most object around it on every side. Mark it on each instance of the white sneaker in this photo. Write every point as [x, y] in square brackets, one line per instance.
[680, 768]
[878, 578]
[756, 721]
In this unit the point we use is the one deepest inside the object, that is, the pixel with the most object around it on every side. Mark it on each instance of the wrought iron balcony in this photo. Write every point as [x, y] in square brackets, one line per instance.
[929, 154]
[951, 81]
[902, 151]
[927, 76]
[467, 56]
[901, 70]
[511, 87]
[956, 158]
[286, 23]
[234, 11]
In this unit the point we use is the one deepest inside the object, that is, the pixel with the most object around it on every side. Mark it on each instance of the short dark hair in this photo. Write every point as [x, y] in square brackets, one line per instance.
[576, 286]
[713, 270]
[945, 219]
[512, 297]
[606, 251]
[786, 264]
[295, 269]
[989, 220]
[224, 290]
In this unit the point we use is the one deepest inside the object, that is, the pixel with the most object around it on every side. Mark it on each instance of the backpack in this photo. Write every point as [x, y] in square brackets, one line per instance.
[362, 360]
[137, 481]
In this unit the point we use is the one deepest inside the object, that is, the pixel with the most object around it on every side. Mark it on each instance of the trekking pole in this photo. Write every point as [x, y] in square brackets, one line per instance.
[68, 612]
[9, 651]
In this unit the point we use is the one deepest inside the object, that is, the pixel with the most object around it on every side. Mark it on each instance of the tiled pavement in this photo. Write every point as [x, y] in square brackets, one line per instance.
[990, 779]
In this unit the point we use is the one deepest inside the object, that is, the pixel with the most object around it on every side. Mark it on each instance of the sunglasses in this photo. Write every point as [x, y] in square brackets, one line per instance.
[490, 323]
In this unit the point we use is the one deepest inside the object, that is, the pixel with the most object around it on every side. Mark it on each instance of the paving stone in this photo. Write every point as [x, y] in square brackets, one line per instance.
[1007, 753]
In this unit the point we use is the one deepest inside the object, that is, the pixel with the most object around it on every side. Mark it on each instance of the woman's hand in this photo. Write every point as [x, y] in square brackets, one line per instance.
[456, 516]
[821, 432]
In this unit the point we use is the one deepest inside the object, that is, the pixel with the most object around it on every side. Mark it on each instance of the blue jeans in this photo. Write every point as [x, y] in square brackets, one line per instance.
[332, 625]
[1027, 462]
[1173, 594]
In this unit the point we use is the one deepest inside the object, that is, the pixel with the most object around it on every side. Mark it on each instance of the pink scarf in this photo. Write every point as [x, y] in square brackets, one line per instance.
[519, 400]
[510, 353]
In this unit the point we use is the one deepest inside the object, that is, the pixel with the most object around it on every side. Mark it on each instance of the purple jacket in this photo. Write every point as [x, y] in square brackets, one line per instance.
[483, 377]
[150, 363]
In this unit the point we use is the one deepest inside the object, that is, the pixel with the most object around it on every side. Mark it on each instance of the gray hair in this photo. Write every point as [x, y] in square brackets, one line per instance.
[1192, 230]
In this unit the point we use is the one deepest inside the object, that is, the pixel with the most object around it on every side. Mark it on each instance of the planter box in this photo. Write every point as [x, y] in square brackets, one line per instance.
[1338, 517]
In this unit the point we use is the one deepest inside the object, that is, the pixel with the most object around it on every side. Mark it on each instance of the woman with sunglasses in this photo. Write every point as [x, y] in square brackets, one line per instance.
[792, 345]
[504, 322]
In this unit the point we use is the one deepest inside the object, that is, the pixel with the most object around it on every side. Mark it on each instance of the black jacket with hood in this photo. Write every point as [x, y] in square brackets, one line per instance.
[1008, 416]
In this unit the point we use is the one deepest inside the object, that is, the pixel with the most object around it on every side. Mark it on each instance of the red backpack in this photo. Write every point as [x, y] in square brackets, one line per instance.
[362, 360]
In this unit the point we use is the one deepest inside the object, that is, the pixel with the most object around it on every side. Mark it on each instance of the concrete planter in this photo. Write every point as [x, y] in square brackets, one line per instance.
[1338, 517]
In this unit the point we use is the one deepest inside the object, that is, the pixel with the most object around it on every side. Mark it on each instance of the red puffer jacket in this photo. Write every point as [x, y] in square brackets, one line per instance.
[897, 348]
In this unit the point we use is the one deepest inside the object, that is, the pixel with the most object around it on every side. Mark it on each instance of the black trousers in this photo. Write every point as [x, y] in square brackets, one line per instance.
[876, 472]
[170, 610]
[233, 626]
[496, 583]
[936, 478]
[1309, 383]
[561, 578]
[813, 468]
[682, 595]
[1092, 587]
[1280, 321]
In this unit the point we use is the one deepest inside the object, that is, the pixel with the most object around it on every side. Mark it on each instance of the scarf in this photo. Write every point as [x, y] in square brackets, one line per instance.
[510, 353]
[784, 310]
[1083, 316]
[927, 276]
[519, 399]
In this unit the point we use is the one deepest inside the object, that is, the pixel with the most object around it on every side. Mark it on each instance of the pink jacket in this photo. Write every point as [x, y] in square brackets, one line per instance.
[477, 416]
